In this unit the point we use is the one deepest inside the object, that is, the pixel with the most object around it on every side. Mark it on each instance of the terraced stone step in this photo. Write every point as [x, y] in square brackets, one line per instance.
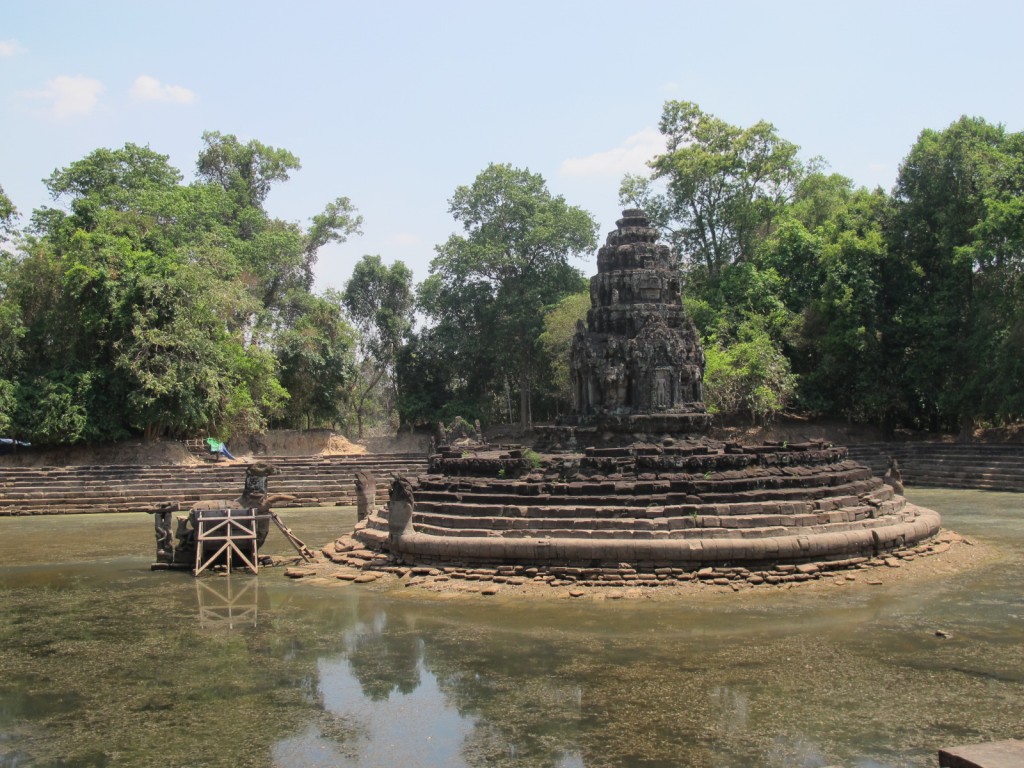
[783, 495]
[695, 524]
[949, 465]
[84, 489]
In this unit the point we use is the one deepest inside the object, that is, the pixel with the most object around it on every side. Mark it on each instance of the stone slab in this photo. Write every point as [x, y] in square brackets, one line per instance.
[994, 754]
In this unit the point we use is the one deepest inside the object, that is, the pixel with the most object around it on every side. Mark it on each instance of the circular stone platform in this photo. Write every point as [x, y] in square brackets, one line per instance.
[687, 504]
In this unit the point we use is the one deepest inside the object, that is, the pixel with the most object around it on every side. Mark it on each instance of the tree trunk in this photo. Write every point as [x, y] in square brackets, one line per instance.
[524, 405]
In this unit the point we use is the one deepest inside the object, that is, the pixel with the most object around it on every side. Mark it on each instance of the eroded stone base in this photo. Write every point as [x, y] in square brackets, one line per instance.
[681, 505]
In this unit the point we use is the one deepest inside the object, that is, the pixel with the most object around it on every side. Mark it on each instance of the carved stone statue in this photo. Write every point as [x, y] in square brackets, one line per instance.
[180, 548]
[400, 508]
[893, 476]
[460, 433]
[366, 493]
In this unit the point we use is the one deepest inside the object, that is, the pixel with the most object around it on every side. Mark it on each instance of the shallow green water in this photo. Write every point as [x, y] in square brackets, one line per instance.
[104, 663]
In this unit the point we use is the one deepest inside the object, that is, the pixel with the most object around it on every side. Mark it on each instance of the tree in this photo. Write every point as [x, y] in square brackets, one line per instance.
[247, 171]
[956, 236]
[317, 360]
[488, 287]
[830, 253]
[145, 306]
[8, 218]
[380, 302]
[279, 256]
[724, 187]
[560, 323]
[11, 328]
[11, 332]
[748, 376]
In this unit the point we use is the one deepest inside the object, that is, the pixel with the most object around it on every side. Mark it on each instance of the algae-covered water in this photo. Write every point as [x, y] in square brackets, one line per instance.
[105, 663]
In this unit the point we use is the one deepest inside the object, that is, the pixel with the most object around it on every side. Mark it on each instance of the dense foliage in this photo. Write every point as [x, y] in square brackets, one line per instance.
[147, 306]
[144, 305]
[485, 300]
[904, 309]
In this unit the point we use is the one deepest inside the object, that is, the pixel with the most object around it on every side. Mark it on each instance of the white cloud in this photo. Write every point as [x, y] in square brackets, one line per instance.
[10, 48]
[148, 88]
[70, 96]
[629, 157]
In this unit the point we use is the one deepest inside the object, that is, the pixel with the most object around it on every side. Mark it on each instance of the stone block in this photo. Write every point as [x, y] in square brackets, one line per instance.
[994, 754]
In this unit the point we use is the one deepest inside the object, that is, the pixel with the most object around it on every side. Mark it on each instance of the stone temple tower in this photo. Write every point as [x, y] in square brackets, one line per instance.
[631, 483]
[638, 367]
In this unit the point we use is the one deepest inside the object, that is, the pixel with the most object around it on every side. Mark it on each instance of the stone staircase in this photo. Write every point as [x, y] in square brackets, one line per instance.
[313, 480]
[948, 465]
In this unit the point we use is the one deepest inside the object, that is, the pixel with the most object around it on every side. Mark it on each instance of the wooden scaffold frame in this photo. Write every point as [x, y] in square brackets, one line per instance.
[233, 532]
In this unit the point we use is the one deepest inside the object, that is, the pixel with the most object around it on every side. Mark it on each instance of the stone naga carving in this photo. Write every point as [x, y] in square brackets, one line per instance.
[400, 509]
[254, 496]
[366, 493]
[893, 477]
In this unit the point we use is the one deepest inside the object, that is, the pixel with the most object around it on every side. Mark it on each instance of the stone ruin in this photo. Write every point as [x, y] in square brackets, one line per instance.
[458, 435]
[638, 366]
[632, 484]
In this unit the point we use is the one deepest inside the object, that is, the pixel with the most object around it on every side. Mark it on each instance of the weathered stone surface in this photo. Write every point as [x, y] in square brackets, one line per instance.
[638, 367]
[995, 754]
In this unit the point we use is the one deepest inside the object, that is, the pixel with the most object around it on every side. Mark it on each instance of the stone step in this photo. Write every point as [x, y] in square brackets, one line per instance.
[676, 523]
[762, 496]
[626, 531]
[83, 489]
[471, 508]
[949, 465]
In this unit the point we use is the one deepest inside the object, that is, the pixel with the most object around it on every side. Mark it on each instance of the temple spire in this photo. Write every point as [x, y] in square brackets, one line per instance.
[638, 366]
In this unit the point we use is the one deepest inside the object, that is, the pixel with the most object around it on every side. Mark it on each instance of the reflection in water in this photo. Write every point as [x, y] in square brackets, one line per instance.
[384, 658]
[104, 663]
[228, 602]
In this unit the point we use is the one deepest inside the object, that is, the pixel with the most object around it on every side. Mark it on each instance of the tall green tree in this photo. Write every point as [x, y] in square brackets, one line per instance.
[957, 239]
[277, 256]
[8, 217]
[142, 305]
[381, 303]
[11, 328]
[560, 323]
[724, 187]
[247, 171]
[830, 254]
[317, 357]
[488, 287]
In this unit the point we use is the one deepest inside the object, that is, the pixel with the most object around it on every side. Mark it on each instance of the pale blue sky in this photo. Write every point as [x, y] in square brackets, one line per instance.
[394, 104]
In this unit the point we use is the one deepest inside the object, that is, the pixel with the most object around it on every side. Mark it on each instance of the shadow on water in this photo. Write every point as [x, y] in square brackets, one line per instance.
[107, 664]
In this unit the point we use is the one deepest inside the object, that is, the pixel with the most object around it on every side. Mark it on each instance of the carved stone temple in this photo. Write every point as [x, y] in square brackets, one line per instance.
[637, 366]
[632, 484]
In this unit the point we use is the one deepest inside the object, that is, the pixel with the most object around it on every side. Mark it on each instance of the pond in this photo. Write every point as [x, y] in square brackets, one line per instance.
[105, 663]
